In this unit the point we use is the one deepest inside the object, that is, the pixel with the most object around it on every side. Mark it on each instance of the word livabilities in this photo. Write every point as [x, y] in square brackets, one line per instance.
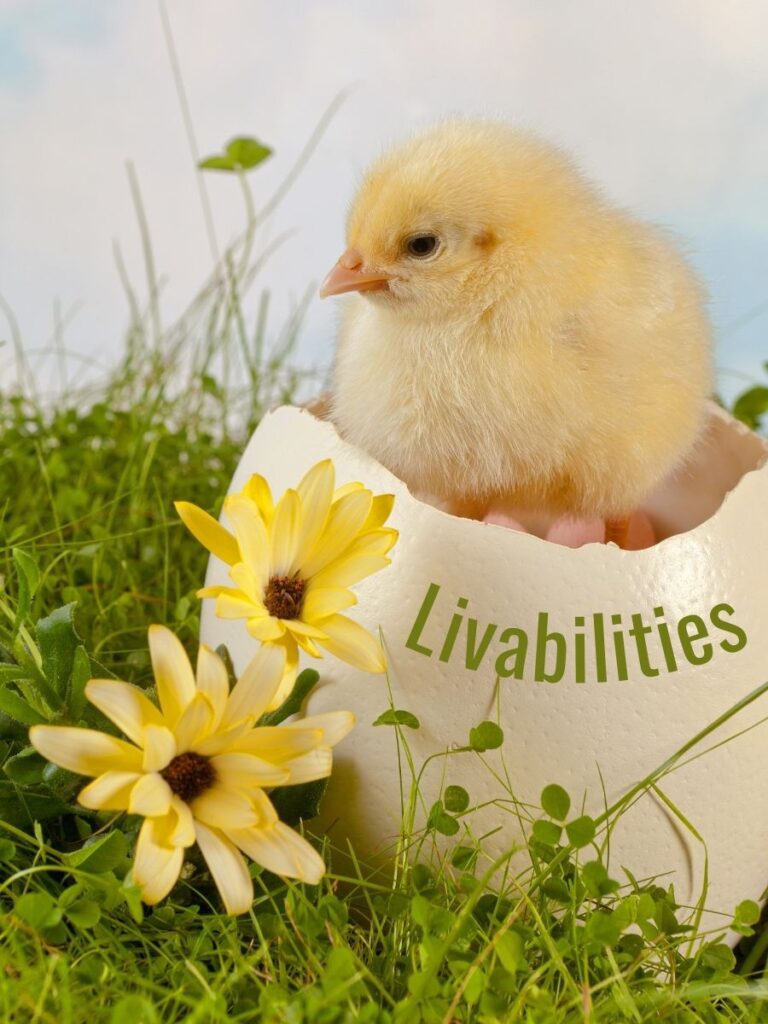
[599, 647]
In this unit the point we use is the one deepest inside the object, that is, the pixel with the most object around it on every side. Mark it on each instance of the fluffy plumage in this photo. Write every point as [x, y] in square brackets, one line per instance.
[552, 354]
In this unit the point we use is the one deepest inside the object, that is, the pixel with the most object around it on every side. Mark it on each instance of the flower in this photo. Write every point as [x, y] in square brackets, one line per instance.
[196, 767]
[292, 564]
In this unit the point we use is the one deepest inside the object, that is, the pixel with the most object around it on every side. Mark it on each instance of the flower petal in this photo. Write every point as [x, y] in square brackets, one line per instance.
[300, 628]
[183, 832]
[346, 517]
[84, 751]
[320, 602]
[224, 808]
[195, 724]
[257, 489]
[173, 672]
[212, 680]
[159, 748]
[348, 641]
[381, 507]
[346, 571]
[251, 534]
[281, 850]
[284, 534]
[277, 743]
[151, 796]
[156, 867]
[109, 792]
[126, 705]
[249, 585]
[266, 629]
[291, 649]
[228, 869]
[315, 491]
[246, 771]
[333, 725]
[209, 532]
[257, 685]
[315, 764]
[234, 604]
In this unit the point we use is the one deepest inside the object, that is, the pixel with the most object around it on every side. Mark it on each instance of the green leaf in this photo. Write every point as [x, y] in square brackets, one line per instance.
[240, 154]
[398, 717]
[440, 821]
[298, 803]
[547, 832]
[305, 683]
[83, 913]
[103, 854]
[750, 406]
[464, 857]
[511, 951]
[485, 736]
[581, 831]
[134, 1010]
[603, 928]
[15, 706]
[22, 807]
[29, 580]
[38, 909]
[58, 641]
[7, 850]
[595, 878]
[718, 955]
[26, 767]
[81, 674]
[456, 799]
[747, 912]
[555, 802]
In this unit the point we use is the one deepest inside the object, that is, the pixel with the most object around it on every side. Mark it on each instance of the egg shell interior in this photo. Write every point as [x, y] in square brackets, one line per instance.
[681, 667]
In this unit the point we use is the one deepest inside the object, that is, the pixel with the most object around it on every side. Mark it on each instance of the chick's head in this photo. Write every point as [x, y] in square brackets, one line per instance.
[453, 218]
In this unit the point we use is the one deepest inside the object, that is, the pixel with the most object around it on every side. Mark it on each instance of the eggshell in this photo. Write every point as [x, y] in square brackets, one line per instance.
[594, 738]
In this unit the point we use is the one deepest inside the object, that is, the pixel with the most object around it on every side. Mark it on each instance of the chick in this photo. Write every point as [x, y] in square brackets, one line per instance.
[514, 340]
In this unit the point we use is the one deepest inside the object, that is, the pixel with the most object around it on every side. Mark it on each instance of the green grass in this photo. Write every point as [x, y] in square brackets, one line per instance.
[91, 553]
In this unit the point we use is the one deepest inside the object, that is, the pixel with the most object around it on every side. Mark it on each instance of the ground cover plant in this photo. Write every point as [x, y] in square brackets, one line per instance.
[92, 553]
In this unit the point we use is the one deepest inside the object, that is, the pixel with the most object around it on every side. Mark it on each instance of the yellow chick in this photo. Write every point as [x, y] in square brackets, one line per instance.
[514, 340]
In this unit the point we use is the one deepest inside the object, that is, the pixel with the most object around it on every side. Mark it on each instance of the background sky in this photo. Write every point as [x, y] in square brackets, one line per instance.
[664, 103]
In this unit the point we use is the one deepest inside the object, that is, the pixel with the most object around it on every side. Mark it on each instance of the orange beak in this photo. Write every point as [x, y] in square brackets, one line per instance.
[349, 275]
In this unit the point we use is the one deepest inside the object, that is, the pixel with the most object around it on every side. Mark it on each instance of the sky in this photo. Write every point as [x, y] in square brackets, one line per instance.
[664, 103]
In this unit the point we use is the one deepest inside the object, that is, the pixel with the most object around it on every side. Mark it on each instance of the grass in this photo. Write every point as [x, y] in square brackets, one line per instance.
[90, 554]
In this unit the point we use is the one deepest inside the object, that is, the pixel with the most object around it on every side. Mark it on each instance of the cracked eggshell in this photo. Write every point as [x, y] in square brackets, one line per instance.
[594, 738]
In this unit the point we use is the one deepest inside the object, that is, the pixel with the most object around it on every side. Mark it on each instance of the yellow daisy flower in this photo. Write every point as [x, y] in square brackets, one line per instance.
[196, 767]
[292, 564]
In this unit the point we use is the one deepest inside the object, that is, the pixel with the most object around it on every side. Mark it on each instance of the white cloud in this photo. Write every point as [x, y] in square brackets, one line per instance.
[664, 102]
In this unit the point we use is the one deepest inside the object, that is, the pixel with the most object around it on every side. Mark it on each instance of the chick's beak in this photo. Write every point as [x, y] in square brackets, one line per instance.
[350, 275]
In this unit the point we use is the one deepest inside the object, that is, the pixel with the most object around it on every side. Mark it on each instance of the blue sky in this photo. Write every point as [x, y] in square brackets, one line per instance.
[665, 103]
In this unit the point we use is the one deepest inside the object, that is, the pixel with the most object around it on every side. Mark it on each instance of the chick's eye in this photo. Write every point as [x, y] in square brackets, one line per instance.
[422, 245]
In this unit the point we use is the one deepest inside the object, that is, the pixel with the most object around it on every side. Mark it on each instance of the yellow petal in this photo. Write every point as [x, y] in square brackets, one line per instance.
[109, 792]
[159, 748]
[300, 628]
[211, 534]
[333, 726]
[257, 685]
[228, 869]
[224, 808]
[195, 724]
[316, 493]
[251, 534]
[245, 771]
[151, 796]
[249, 585]
[320, 602]
[281, 850]
[346, 517]
[345, 489]
[284, 534]
[126, 705]
[315, 764]
[345, 572]
[84, 751]
[348, 641]
[183, 832]
[173, 672]
[234, 604]
[308, 645]
[257, 489]
[212, 681]
[291, 649]
[266, 629]
[277, 743]
[381, 507]
[156, 867]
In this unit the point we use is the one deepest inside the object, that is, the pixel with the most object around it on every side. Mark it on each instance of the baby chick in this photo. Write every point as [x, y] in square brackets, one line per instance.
[514, 340]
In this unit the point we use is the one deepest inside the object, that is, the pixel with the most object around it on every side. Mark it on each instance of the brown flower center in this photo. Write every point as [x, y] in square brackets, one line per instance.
[189, 775]
[283, 596]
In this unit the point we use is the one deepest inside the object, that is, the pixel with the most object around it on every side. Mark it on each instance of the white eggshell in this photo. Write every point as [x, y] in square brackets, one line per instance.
[594, 738]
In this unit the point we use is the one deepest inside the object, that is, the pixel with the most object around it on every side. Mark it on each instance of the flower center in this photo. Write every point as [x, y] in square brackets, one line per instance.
[189, 775]
[283, 596]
